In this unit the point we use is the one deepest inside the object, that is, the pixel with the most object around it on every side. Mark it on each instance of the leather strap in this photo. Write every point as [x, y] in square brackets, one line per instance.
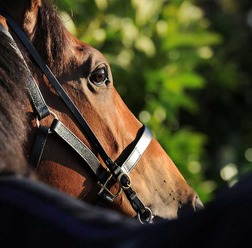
[38, 146]
[84, 152]
[87, 155]
[39, 106]
[37, 99]
[138, 150]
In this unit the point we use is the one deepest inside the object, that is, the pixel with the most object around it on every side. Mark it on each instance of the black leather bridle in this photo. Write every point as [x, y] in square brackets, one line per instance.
[119, 172]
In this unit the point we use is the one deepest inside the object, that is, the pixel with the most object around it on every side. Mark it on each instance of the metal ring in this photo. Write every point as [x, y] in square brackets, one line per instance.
[129, 181]
[149, 218]
[50, 113]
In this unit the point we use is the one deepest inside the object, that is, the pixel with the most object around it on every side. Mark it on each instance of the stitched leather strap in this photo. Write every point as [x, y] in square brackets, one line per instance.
[84, 152]
[87, 155]
[36, 97]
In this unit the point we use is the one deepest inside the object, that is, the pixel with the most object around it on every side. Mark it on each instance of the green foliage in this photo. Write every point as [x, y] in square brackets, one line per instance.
[160, 52]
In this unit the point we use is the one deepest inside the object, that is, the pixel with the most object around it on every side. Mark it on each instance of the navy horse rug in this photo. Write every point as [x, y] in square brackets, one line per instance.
[33, 214]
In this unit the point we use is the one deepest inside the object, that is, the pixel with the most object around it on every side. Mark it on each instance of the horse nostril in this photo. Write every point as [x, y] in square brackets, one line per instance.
[198, 205]
[193, 205]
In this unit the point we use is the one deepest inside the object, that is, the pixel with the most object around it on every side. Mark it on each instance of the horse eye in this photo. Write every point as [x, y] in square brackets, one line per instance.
[99, 76]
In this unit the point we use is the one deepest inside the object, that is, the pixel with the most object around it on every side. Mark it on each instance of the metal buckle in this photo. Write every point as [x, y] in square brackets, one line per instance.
[148, 218]
[128, 181]
[109, 194]
[51, 113]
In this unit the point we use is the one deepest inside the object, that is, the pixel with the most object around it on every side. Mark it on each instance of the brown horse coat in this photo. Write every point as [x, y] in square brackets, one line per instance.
[155, 178]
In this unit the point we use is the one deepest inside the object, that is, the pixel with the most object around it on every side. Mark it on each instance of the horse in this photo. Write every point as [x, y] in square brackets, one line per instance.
[95, 147]
[34, 214]
[19, 185]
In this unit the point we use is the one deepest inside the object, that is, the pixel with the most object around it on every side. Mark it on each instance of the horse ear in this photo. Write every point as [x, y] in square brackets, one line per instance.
[30, 17]
[25, 13]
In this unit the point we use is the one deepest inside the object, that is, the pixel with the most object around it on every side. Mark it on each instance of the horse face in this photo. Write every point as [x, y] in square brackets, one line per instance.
[87, 79]
[155, 178]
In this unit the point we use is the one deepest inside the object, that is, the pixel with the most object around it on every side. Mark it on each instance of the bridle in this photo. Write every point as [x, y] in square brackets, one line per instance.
[119, 173]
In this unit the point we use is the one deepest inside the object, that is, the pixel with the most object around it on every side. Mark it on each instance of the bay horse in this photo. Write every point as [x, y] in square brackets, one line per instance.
[33, 214]
[125, 164]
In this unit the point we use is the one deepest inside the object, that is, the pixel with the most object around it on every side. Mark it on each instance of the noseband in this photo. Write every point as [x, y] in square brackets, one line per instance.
[120, 173]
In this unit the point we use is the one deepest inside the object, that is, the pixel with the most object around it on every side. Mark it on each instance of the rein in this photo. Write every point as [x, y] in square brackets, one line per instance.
[119, 172]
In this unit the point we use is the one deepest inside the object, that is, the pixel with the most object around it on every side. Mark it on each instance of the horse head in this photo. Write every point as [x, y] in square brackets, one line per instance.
[86, 77]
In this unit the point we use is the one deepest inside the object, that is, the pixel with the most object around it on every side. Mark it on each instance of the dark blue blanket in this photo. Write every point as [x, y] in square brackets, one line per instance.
[35, 215]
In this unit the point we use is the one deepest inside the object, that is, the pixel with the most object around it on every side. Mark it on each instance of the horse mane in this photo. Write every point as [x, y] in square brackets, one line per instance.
[50, 38]
[13, 120]
[50, 41]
